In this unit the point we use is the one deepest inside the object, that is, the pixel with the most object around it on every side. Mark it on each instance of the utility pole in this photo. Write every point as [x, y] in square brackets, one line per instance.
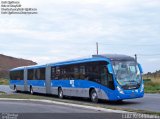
[97, 47]
[135, 58]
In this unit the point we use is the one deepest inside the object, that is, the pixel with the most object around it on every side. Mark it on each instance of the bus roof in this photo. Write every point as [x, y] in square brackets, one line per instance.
[103, 57]
[28, 67]
[115, 57]
[92, 59]
[75, 61]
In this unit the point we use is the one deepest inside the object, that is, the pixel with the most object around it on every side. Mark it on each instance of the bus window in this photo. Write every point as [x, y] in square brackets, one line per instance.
[76, 72]
[92, 72]
[40, 74]
[58, 73]
[30, 74]
[17, 75]
[53, 73]
[110, 81]
[82, 72]
[63, 73]
[104, 79]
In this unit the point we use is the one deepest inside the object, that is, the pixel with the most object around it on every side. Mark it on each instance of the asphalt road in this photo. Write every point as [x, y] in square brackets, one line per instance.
[150, 102]
[41, 110]
[41, 107]
[6, 89]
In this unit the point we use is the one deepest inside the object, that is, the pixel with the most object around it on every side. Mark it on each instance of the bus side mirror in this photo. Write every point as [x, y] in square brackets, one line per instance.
[140, 68]
[110, 69]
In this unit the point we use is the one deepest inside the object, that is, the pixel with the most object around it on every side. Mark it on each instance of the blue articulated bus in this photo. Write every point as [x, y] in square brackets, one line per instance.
[110, 77]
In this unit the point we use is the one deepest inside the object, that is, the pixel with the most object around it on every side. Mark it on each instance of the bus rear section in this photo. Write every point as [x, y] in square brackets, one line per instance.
[17, 79]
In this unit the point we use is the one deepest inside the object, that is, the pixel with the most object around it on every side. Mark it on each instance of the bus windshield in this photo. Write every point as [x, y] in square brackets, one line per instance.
[127, 74]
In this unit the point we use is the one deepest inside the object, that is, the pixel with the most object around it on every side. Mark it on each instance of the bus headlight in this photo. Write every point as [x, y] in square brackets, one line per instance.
[142, 88]
[120, 90]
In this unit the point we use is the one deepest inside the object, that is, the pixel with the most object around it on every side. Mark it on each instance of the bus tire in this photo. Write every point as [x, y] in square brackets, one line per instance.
[119, 101]
[15, 89]
[60, 93]
[31, 90]
[93, 96]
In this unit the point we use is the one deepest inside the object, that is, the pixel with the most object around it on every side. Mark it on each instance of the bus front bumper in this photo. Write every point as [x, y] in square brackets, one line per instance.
[128, 94]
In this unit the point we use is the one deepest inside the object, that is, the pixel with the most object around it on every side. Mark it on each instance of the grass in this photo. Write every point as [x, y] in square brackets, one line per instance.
[151, 84]
[4, 81]
[151, 87]
[1, 93]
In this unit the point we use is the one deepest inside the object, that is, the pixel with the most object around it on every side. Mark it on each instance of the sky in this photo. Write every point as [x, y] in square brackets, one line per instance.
[68, 29]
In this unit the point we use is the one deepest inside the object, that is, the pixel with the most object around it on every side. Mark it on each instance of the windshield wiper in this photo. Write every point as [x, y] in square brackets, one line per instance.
[132, 81]
[127, 86]
[138, 83]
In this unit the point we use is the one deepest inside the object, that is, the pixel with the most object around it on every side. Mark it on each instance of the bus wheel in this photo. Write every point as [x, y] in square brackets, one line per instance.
[31, 90]
[60, 93]
[94, 96]
[15, 88]
[119, 101]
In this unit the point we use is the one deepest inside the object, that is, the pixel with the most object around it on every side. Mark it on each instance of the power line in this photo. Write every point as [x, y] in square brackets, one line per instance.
[141, 54]
[148, 54]
[130, 44]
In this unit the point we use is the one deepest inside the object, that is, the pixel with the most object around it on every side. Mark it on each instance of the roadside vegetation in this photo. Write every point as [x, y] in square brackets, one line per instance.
[151, 84]
[4, 81]
[152, 87]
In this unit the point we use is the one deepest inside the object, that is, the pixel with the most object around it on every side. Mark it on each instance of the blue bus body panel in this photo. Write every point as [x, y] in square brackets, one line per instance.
[29, 82]
[17, 82]
[40, 83]
[112, 94]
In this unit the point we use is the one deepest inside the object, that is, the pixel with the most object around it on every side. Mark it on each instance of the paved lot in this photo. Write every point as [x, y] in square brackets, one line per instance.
[150, 102]
[38, 110]
[6, 89]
